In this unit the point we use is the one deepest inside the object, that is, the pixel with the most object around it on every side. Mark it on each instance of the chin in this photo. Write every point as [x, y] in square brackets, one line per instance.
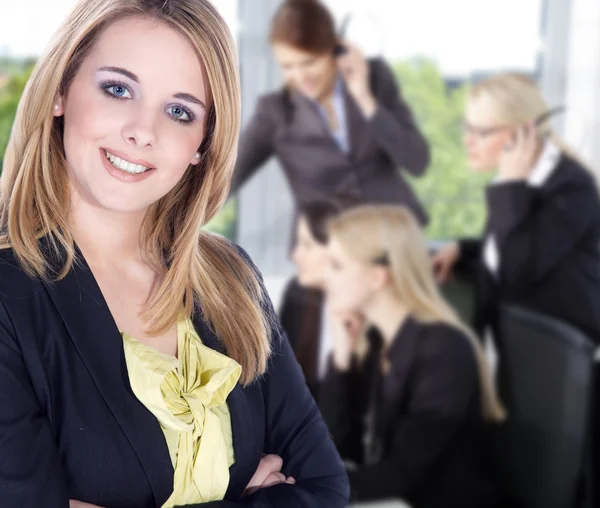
[305, 282]
[310, 94]
[477, 167]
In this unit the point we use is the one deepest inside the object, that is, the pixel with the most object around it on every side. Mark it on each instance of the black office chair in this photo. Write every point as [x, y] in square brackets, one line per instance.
[545, 379]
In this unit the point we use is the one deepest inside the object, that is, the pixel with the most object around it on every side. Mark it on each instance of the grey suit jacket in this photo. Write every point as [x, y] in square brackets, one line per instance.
[289, 126]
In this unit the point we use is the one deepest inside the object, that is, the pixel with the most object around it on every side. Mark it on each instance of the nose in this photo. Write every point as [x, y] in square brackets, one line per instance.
[296, 255]
[140, 130]
[468, 139]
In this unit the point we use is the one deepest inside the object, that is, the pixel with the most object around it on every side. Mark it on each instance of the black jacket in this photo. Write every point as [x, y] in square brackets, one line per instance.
[548, 239]
[427, 443]
[301, 315]
[71, 427]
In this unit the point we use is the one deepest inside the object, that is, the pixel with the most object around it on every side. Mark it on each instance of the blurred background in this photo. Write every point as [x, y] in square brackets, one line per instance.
[435, 48]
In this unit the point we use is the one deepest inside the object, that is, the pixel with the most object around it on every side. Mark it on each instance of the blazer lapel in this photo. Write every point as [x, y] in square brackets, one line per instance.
[401, 355]
[307, 121]
[247, 446]
[358, 132]
[308, 124]
[308, 326]
[94, 334]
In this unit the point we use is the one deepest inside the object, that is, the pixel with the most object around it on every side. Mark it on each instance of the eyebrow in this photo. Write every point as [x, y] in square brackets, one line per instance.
[190, 98]
[180, 95]
[120, 70]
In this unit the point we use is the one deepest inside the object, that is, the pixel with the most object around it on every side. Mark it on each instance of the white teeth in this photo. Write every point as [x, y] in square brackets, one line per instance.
[123, 165]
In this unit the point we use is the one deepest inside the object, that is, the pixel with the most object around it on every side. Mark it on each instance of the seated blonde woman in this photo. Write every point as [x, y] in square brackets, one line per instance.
[407, 402]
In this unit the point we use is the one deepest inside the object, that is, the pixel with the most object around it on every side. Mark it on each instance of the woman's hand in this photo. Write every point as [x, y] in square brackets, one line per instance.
[518, 159]
[347, 329]
[355, 71]
[79, 504]
[443, 262]
[267, 474]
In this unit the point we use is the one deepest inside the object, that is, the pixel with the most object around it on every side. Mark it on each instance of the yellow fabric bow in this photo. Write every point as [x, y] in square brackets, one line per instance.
[188, 396]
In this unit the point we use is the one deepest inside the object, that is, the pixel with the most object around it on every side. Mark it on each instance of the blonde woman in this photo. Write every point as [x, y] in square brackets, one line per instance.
[541, 244]
[141, 363]
[407, 410]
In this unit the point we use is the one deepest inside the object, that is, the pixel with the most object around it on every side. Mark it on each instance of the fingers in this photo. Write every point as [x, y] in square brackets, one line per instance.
[273, 463]
[274, 479]
[267, 474]
[351, 62]
[268, 465]
[442, 271]
[440, 267]
[526, 137]
[353, 323]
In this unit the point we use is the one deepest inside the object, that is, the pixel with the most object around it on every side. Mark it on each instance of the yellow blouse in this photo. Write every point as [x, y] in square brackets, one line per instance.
[187, 395]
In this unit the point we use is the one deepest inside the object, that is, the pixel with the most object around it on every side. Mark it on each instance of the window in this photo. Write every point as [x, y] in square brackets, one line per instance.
[436, 48]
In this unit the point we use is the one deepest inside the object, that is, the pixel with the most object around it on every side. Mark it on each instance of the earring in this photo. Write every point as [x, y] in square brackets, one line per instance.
[56, 107]
[197, 156]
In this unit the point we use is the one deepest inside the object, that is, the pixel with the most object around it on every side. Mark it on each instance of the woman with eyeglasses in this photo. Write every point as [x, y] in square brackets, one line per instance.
[408, 392]
[540, 248]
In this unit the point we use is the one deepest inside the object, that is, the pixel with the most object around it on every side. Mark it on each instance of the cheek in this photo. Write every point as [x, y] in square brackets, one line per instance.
[177, 145]
[89, 119]
[314, 262]
[494, 148]
[343, 288]
[288, 75]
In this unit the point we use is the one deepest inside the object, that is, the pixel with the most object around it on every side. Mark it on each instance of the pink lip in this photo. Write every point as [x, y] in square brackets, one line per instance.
[121, 175]
[124, 156]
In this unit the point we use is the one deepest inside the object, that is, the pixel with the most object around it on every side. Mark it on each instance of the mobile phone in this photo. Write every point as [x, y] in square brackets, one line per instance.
[340, 49]
[551, 112]
[537, 122]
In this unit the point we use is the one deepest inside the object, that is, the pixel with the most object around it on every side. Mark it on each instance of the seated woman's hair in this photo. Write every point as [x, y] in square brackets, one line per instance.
[196, 269]
[389, 235]
[319, 212]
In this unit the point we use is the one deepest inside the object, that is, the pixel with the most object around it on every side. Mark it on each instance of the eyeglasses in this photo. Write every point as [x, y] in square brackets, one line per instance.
[482, 132]
[382, 260]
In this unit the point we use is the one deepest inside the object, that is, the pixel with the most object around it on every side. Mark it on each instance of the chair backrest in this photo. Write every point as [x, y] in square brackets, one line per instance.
[545, 379]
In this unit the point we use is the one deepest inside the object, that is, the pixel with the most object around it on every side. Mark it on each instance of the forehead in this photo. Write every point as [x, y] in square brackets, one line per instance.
[158, 54]
[479, 110]
[288, 53]
[337, 251]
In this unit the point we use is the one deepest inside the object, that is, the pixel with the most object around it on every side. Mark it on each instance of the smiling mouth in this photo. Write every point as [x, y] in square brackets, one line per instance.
[123, 165]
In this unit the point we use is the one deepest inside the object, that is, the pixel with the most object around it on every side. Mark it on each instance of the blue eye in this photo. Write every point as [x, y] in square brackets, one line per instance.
[116, 90]
[180, 114]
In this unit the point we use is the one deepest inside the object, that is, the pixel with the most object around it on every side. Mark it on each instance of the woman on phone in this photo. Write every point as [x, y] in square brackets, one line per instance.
[540, 248]
[339, 125]
[141, 363]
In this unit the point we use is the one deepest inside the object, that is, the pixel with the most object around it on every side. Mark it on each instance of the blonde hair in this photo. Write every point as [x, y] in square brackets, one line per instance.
[512, 100]
[195, 266]
[372, 232]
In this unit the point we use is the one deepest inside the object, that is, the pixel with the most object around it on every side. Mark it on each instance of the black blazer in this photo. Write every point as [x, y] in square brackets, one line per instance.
[549, 244]
[426, 422]
[71, 427]
[289, 126]
[301, 316]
